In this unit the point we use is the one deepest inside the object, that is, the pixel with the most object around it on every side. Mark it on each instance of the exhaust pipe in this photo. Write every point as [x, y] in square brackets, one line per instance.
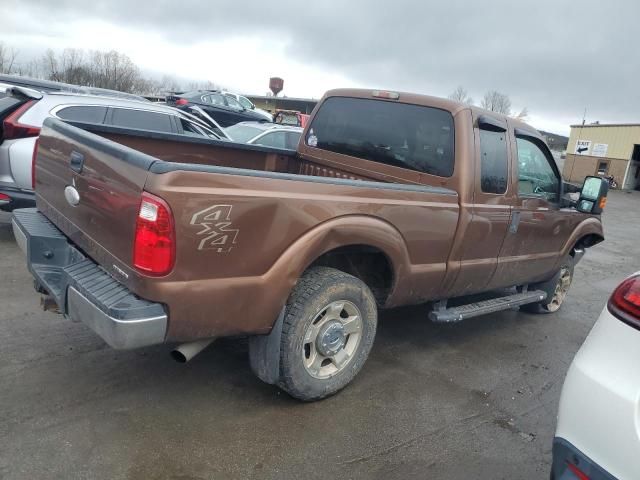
[185, 352]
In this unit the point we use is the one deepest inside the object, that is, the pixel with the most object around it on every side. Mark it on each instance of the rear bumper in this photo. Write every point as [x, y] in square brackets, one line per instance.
[569, 462]
[82, 290]
[17, 198]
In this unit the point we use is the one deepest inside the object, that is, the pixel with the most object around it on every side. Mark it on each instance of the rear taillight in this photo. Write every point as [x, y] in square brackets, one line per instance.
[33, 163]
[12, 128]
[625, 301]
[578, 474]
[154, 244]
[182, 101]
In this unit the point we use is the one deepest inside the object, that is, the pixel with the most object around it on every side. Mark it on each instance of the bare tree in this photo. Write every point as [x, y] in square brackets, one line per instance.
[50, 66]
[7, 58]
[208, 85]
[113, 70]
[460, 94]
[523, 115]
[496, 102]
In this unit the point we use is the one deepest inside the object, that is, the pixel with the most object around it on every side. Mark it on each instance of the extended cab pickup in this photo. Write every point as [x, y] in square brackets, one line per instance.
[390, 199]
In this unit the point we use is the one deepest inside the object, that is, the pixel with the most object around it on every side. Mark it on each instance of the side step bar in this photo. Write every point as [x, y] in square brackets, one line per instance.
[457, 314]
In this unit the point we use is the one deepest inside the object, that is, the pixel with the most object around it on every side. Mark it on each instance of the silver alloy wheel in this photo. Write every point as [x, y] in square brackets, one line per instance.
[331, 339]
[562, 288]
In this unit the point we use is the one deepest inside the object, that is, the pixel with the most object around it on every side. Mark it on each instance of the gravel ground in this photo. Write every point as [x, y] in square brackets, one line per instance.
[474, 400]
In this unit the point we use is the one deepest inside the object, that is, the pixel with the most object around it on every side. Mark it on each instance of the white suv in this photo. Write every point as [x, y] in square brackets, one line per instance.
[23, 110]
[598, 432]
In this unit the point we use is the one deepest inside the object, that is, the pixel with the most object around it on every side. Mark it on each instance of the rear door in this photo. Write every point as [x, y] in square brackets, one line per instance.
[493, 197]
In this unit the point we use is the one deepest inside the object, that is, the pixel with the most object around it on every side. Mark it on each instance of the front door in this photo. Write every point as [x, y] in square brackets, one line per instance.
[538, 228]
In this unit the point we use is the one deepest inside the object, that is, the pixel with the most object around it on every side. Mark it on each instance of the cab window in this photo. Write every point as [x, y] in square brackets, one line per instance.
[398, 134]
[536, 175]
[493, 161]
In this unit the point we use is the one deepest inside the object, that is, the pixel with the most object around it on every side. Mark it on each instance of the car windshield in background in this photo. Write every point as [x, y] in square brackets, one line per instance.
[408, 136]
[242, 133]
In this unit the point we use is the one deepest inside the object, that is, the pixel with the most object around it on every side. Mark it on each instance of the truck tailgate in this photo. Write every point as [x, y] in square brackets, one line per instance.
[105, 177]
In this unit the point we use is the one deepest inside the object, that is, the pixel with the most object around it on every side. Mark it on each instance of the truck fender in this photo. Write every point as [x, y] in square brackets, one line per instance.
[340, 232]
[589, 226]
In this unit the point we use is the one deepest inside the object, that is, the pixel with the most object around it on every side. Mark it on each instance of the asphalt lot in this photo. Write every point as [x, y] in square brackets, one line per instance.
[474, 400]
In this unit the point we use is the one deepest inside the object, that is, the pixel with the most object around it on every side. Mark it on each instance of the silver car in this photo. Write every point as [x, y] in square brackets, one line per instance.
[266, 134]
[23, 110]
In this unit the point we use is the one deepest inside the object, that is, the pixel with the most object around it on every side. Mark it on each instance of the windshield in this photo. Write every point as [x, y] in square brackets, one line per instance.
[242, 133]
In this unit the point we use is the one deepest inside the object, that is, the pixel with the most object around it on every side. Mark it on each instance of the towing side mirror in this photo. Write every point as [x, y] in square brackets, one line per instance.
[593, 196]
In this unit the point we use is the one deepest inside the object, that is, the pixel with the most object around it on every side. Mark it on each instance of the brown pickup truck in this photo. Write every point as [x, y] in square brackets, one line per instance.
[391, 199]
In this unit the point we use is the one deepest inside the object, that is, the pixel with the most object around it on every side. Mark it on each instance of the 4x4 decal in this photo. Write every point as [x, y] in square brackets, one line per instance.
[215, 223]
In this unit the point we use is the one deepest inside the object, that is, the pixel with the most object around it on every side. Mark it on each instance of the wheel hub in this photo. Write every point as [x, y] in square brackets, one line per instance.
[331, 338]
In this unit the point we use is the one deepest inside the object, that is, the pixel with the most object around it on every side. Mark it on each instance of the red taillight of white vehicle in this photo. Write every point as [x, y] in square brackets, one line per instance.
[13, 129]
[625, 301]
[154, 243]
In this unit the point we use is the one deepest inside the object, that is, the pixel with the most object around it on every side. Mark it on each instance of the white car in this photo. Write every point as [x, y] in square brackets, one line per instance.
[248, 104]
[598, 432]
[266, 134]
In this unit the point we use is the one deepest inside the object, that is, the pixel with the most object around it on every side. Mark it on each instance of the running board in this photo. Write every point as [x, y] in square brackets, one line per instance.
[457, 314]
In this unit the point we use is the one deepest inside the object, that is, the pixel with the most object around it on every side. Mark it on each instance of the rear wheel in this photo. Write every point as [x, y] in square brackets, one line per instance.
[556, 289]
[327, 333]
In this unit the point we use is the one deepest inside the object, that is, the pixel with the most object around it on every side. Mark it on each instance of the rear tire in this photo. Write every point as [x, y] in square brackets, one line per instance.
[327, 333]
[556, 288]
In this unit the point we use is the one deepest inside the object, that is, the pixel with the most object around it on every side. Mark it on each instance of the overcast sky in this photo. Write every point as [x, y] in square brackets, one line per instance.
[554, 57]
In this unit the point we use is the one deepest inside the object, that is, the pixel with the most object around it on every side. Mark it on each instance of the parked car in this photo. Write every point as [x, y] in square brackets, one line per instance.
[390, 199]
[22, 112]
[598, 433]
[267, 134]
[291, 117]
[248, 104]
[225, 109]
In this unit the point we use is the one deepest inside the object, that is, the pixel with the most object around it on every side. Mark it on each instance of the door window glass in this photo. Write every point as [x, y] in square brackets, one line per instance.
[273, 139]
[493, 163]
[233, 103]
[292, 139]
[88, 114]
[246, 103]
[142, 120]
[536, 176]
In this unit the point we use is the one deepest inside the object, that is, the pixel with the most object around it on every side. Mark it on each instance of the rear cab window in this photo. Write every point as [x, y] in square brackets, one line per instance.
[403, 135]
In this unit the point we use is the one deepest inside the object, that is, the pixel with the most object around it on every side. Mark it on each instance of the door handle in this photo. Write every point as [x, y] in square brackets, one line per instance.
[515, 221]
[76, 161]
